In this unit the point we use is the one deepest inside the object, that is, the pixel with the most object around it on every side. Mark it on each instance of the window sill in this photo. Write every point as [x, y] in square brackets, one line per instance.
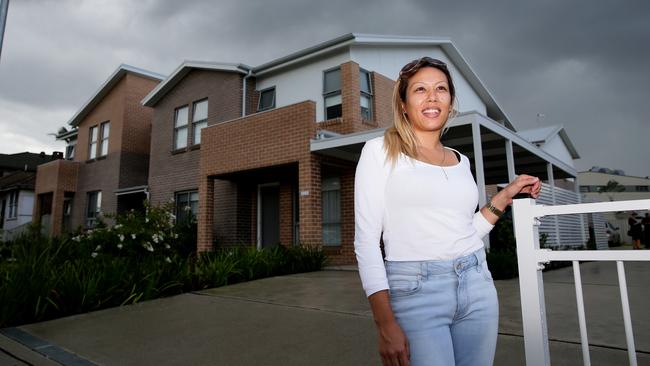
[330, 122]
[332, 249]
[369, 122]
[194, 147]
[179, 151]
[96, 159]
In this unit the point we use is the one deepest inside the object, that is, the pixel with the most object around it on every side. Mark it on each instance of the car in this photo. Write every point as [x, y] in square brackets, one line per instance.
[613, 235]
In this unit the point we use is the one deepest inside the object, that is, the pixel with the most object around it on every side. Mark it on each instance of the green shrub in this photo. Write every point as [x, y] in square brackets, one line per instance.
[43, 278]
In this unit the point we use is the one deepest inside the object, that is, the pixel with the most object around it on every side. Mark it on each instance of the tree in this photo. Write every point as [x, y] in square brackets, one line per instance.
[611, 186]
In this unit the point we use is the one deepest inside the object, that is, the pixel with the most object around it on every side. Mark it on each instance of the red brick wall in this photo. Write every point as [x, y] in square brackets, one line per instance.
[273, 138]
[56, 177]
[136, 136]
[169, 171]
[382, 100]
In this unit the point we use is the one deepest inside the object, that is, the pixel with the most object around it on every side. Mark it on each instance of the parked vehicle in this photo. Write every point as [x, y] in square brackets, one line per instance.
[613, 235]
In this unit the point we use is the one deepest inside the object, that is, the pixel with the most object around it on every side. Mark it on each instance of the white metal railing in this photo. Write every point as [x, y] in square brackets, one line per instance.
[526, 217]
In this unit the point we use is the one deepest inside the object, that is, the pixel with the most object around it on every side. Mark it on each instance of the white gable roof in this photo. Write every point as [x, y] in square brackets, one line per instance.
[177, 75]
[107, 86]
[542, 135]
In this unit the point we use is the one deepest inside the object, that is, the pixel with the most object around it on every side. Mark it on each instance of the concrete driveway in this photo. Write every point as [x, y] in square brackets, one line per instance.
[319, 318]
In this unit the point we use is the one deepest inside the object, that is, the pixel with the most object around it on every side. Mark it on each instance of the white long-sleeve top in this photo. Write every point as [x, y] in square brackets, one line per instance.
[422, 214]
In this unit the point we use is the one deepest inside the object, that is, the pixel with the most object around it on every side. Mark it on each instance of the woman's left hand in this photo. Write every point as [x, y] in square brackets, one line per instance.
[522, 184]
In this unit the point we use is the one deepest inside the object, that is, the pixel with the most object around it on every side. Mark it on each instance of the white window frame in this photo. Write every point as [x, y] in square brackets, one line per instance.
[324, 190]
[193, 209]
[260, 108]
[176, 143]
[13, 205]
[93, 135]
[198, 125]
[333, 94]
[92, 213]
[104, 132]
[368, 95]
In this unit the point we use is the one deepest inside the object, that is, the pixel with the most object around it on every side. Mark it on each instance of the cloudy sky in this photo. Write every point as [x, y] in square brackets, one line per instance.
[583, 64]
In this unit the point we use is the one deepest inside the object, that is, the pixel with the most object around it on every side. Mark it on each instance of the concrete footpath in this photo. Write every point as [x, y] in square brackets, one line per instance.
[319, 318]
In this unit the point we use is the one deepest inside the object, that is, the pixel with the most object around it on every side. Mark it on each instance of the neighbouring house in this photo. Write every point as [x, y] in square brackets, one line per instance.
[107, 158]
[602, 184]
[279, 142]
[17, 176]
[560, 230]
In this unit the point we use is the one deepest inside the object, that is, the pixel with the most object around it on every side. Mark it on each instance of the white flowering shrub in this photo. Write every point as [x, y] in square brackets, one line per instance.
[152, 233]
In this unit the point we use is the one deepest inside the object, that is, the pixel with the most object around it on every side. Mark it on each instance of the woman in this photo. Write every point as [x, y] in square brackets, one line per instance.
[433, 301]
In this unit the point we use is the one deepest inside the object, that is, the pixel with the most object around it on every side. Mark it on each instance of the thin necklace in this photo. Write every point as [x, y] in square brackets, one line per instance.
[444, 156]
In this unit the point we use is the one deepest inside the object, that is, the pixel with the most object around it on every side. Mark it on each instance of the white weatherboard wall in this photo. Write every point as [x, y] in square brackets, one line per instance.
[303, 82]
[389, 60]
[25, 206]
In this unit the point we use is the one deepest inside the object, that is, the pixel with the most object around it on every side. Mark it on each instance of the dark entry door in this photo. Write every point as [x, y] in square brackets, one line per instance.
[270, 215]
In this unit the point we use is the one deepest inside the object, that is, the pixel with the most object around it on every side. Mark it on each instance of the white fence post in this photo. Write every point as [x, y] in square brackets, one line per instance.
[531, 283]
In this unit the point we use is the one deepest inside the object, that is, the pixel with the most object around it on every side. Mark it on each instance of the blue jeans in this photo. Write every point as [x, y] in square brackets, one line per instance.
[448, 310]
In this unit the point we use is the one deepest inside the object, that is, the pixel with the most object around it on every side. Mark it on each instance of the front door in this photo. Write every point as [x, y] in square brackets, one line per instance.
[269, 215]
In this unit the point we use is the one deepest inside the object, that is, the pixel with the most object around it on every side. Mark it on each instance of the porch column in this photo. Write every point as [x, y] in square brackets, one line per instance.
[480, 174]
[56, 218]
[206, 214]
[510, 158]
[551, 182]
[309, 199]
[576, 189]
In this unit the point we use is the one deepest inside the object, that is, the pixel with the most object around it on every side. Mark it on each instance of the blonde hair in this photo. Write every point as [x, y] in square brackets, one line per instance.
[400, 138]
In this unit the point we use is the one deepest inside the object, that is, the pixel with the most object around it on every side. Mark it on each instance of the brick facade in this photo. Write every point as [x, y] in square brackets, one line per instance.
[173, 171]
[125, 164]
[55, 178]
[273, 146]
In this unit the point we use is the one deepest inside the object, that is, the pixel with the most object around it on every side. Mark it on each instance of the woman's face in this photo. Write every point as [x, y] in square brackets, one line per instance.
[428, 100]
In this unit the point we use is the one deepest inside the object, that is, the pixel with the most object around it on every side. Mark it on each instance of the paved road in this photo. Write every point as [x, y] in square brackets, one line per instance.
[319, 318]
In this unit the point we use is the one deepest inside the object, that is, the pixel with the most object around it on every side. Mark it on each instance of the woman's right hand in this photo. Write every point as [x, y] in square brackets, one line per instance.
[393, 345]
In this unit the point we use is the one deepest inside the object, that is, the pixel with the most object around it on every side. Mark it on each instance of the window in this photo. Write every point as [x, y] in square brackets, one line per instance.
[641, 188]
[92, 147]
[331, 197]
[69, 152]
[180, 127]
[103, 144]
[187, 205]
[332, 94]
[199, 120]
[93, 208]
[366, 94]
[267, 99]
[13, 205]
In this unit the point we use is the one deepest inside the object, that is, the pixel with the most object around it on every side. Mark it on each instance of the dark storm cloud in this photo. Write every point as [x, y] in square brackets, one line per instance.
[580, 63]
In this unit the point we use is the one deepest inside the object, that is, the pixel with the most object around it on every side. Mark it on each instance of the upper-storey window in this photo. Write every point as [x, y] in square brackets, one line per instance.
[180, 127]
[332, 93]
[103, 145]
[199, 120]
[92, 146]
[366, 94]
[69, 151]
[267, 99]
